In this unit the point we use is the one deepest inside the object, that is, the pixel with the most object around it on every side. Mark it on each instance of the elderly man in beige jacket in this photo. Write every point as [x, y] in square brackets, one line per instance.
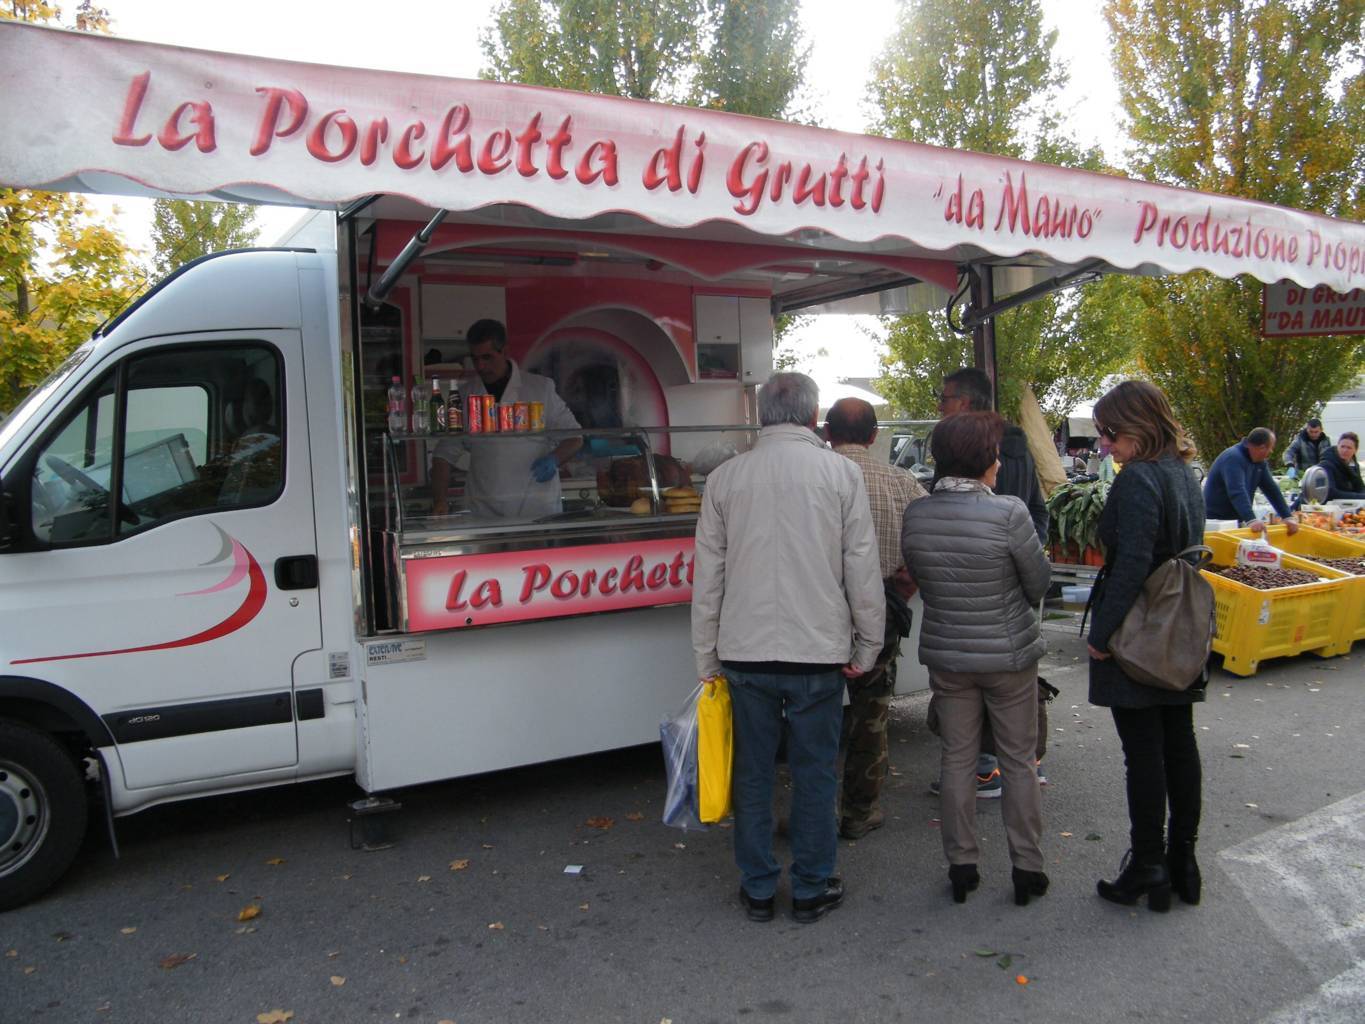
[787, 602]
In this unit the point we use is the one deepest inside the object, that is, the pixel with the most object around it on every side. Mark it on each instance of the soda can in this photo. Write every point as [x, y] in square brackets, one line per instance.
[521, 416]
[537, 415]
[507, 421]
[474, 418]
[490, 415]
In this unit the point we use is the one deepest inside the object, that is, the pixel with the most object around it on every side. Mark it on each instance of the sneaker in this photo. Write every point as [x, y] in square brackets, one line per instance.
[988, 787]
[1042, 776]
[816, 907]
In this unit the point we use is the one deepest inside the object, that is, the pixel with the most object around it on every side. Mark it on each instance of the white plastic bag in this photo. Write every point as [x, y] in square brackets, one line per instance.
[1258, 552]
[679, 735]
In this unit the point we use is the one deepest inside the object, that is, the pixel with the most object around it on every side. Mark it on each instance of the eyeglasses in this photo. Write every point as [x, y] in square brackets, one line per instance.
[1105, 432]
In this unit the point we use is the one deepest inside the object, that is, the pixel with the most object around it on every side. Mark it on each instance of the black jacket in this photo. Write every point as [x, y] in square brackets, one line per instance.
[1303, 451]
[1343, 479]
[1134, 530]
[1019, 476]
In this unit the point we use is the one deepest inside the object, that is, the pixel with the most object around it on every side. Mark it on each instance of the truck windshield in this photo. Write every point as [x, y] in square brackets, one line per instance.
[14, 422]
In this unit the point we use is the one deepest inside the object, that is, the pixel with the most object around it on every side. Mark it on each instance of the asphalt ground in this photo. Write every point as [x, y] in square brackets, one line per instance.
[471, 917]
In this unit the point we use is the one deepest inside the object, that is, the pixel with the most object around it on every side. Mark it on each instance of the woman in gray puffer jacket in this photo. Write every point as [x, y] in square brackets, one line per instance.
[981, 572]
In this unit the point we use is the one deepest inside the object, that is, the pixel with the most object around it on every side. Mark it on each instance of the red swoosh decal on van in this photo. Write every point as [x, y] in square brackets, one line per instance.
[246, 611]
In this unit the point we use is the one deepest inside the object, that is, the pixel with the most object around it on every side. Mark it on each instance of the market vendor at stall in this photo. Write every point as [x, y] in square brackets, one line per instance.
[513, 477]
[1343, 472]
[1235, 477]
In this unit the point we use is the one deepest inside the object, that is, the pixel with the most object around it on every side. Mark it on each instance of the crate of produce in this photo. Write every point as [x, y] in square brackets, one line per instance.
[1254, 624]
[1337, 551]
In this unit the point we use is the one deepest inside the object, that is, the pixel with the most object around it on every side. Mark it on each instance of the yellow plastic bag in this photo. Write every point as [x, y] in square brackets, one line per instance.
[715, 750]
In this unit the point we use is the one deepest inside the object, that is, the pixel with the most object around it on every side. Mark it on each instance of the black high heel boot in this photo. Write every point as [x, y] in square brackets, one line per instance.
[1138, 877]
[964, 879]
[1184, 870]
[1026, 884]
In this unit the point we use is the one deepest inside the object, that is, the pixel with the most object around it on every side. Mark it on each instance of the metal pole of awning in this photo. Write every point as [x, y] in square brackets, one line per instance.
[983, 331]
[379, 291]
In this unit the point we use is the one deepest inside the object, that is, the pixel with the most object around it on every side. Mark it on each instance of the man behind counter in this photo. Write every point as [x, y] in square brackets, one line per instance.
[507, 478]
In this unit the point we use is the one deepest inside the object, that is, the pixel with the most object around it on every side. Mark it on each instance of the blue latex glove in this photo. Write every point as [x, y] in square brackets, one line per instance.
[1291, 472]
[545, 468]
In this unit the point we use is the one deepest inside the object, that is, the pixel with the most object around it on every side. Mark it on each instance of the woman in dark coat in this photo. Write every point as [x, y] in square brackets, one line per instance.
[1343, 473]
[1154, 511]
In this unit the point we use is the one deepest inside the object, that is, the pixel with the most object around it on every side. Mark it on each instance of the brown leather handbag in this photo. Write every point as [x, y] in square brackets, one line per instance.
[1165, 639]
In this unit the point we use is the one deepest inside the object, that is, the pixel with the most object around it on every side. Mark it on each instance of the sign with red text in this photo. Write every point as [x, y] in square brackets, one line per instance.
[1292, 311]
[458, 591]
[96, 113]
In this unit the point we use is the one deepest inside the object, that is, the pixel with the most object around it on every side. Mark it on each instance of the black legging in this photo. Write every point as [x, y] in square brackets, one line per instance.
[1162, 759]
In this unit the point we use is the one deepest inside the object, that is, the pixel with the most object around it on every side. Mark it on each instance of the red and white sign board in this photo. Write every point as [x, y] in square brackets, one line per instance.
[459, 591]
[1292, 311]
[95, 113]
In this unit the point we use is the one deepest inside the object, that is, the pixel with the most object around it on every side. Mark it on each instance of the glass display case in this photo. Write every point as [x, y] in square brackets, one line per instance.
[599, 520]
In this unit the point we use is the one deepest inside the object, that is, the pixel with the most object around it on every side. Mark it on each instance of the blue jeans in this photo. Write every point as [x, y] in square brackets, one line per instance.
[814, 713]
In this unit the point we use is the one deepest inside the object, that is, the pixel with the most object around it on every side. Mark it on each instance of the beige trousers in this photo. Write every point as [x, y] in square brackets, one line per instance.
[1011, 701]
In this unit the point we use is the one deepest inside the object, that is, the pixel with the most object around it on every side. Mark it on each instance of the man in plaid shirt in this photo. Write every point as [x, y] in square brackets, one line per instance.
[851, 427]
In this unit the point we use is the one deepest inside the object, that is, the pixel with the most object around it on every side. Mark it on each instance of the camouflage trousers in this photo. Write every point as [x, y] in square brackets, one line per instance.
[866, 760]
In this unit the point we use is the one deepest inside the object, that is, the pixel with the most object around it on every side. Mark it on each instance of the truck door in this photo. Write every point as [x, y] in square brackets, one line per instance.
[168, 575]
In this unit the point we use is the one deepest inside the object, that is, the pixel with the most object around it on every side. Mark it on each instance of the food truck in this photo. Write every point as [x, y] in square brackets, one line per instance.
[231, 555]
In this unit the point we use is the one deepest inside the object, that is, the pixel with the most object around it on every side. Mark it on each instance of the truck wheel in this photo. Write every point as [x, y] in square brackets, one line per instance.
[42, 812]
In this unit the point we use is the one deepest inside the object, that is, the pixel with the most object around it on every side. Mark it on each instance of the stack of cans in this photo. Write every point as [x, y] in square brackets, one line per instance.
[486, 416]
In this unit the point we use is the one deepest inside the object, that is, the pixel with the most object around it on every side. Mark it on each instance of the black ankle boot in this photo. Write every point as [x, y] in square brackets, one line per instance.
[1139, 876]
[1026, 884]
[964, 879]
[1184, 870]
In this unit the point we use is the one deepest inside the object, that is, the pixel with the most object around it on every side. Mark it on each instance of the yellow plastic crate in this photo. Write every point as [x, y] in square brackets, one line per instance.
[1253, 625]
[1312, 543]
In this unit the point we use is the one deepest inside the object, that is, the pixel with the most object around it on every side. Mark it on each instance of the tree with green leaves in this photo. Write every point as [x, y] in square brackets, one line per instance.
[964, 74]
[1260, 99]
[184, 230]
[746, 56]
[62, 272]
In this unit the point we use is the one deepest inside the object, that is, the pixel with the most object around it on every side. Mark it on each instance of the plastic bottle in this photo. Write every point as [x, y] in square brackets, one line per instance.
[397, 422]
[418, 409]
[437, 407]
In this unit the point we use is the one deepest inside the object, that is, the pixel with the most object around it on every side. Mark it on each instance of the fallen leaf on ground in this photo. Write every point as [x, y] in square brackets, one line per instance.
[276, 861]
[221, 878]
[176, 959]
[984, 952]
[459, 865]
[275, 1017]
[248, 913]
[445, 1021]
[487, 846]
[127, 931]
[496, 926]
[62, 936]
[634, 816]
[680, 846]
[1093, 837]
[582, 906]
[424, 878]
[334, 954]
[1066, 835]
[29, 970]
[338, 980]
[602, 823]
[11, 953]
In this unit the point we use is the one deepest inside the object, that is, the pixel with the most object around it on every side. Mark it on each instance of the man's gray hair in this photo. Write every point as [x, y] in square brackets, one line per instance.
[788, 398]
[973, 385]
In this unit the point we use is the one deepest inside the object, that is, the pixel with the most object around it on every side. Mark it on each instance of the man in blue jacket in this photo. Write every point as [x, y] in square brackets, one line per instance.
[1235, 477]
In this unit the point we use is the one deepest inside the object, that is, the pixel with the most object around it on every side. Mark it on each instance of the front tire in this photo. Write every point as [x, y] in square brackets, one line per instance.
[43, 811]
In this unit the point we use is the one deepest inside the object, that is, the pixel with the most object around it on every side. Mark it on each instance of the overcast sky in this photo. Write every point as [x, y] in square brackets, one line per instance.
[440, 37]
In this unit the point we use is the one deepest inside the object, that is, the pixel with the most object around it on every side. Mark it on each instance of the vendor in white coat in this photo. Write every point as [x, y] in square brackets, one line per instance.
[507, 478]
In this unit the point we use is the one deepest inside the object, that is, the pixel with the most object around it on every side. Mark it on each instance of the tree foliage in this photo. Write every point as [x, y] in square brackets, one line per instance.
[62, 272]
[965, 74]
[1254, 98]
[184, 230]
[746, 56]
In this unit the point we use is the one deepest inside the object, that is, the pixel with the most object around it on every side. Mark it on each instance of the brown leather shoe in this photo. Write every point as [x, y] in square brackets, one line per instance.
[850, 828]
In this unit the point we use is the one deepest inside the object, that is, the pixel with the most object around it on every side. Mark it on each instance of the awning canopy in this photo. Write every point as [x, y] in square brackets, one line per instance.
[85, 112]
